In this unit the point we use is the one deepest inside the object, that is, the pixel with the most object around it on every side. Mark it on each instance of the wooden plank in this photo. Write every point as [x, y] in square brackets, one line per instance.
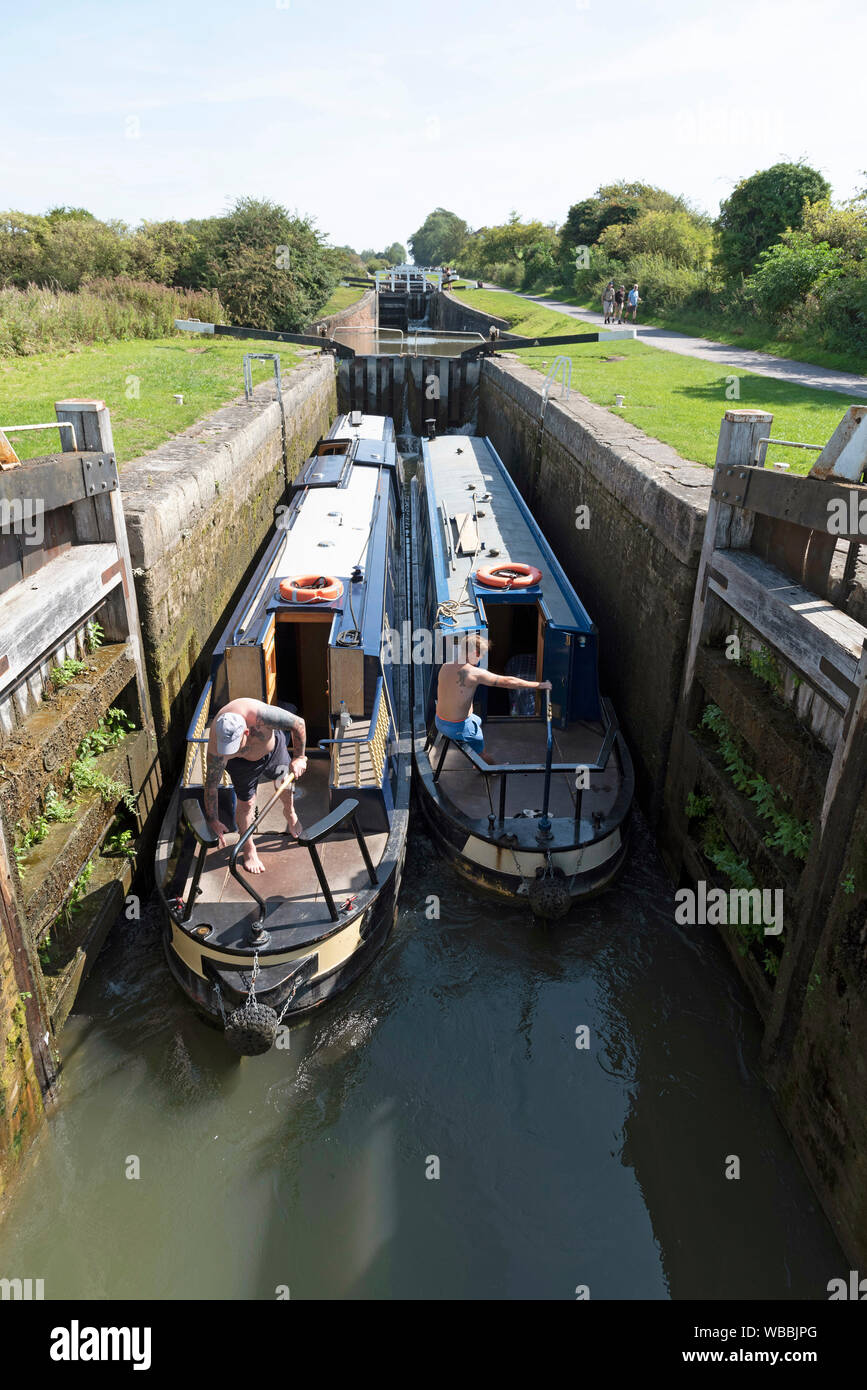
[468, 536]
[92, 423]
[804, 501]
[837, 443]
[739, 431]
[811, 634]
[245, 675]
[36, 615]
[346, 679]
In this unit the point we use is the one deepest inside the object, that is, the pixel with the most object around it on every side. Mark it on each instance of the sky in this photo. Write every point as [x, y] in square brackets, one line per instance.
[365, 117]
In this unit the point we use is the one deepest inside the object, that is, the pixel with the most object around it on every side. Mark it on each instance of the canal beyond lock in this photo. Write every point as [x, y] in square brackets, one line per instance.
[434, 1133]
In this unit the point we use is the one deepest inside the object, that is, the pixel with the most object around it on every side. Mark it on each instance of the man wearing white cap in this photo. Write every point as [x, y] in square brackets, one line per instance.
[248, 740]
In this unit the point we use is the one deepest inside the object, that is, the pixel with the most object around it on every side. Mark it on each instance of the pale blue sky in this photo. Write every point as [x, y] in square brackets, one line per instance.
[368, 116]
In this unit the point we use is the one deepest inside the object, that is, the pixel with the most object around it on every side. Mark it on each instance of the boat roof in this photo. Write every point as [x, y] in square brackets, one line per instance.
[455, 466]
[331, 531]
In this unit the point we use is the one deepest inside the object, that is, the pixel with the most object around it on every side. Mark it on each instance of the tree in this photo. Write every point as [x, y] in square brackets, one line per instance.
[395, 254]
[440, 238]
[673, 235]
[163, 251]
[272, 269]
[618, 205]
[760, 208]
[74, 249]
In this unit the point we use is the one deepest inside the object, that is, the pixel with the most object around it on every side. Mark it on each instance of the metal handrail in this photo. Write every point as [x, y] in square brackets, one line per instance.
[506, 770]
[363, 738]
[788, 443]
[257, 936]
[561, 362]
[332, 822]
[545, 823]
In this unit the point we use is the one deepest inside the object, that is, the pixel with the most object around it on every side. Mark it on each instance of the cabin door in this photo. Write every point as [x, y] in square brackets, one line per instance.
[301, 647]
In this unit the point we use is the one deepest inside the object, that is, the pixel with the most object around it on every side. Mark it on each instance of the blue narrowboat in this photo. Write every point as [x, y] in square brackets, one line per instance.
[537, 805]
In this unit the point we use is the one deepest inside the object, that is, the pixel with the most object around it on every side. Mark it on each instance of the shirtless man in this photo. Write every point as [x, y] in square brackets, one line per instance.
[248, 738]
[456, 687]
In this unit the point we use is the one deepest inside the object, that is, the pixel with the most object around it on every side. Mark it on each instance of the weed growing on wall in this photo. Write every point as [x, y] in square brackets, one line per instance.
[787, 833]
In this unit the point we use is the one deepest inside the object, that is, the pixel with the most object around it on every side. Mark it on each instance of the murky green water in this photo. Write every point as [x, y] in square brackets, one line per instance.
[557, 1167]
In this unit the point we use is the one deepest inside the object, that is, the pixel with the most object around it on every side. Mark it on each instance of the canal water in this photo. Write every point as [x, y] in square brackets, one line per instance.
[411, 342]
[435, 1133]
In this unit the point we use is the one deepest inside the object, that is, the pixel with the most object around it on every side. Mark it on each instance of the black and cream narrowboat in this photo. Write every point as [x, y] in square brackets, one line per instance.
[309, 634]
[547, 818]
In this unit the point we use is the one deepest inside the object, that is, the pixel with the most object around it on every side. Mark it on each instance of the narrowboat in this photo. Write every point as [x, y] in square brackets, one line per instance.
[308, 637]
[541, 810]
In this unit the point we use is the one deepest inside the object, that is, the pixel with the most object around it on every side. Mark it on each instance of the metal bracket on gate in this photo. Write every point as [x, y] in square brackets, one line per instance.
[99, 473]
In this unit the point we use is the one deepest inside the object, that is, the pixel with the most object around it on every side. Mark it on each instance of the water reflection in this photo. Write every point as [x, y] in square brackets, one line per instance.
[395, 342]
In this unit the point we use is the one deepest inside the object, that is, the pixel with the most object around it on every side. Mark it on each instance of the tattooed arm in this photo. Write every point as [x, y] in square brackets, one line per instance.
[213, 777]
[269, 717]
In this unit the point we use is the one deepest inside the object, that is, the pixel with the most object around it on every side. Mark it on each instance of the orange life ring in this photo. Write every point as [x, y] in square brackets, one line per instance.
[508, 576]
[311, 588]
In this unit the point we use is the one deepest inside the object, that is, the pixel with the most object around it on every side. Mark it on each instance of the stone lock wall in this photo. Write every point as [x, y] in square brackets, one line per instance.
[448, 313]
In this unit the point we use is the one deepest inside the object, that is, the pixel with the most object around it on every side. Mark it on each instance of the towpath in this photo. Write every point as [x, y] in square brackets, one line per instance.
[763, 363]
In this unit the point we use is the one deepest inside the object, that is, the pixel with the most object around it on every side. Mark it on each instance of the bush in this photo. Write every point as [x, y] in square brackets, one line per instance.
[788, 273]
[664, 288]
[37, 319]
[842, 306]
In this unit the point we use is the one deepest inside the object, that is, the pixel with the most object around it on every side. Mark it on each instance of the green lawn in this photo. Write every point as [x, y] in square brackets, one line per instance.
[677, 399]
[681, 400]
[341, 298]
[207, 372]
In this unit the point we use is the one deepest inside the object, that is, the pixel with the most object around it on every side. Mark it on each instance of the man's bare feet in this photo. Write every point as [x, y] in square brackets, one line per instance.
[294, 827]
[252, 863]
[489, 758]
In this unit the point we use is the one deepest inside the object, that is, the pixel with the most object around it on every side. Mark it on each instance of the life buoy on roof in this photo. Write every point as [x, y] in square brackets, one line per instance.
[311, 588]
[511, 576]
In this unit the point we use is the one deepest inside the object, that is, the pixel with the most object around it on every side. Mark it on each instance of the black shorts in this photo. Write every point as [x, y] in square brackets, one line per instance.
[246, 775]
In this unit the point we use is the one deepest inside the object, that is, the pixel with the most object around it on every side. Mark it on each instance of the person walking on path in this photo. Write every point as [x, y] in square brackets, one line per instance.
[608, 301]
[633, 300]
[619, 298]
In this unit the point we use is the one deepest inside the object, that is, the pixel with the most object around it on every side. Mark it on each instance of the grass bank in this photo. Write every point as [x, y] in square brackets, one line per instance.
[341, 298]
[677, 399]
[681, 400]
[138, 381]
[753, 334]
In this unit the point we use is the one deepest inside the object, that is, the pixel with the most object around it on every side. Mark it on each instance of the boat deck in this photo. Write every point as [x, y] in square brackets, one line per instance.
[289, 884]
[525, 742]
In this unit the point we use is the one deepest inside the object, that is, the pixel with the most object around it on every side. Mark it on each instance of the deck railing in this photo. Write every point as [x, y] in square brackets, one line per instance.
[506, 770]
[374, 742]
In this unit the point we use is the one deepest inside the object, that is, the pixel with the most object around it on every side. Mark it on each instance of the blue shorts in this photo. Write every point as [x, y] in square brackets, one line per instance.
[468, 731]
